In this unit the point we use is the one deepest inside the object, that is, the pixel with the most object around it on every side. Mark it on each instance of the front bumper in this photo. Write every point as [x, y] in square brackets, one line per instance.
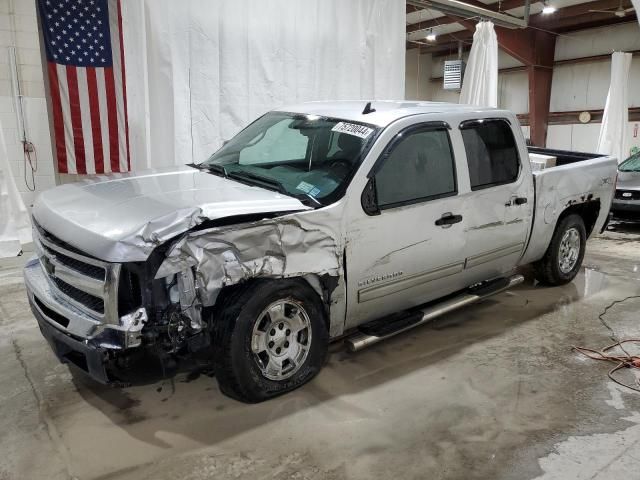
[83, 354]
[75, 336]
[62, 314]
[625, 206]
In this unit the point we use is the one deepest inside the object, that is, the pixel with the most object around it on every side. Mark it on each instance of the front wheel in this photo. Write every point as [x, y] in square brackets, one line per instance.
[271, 338]
[564, 256]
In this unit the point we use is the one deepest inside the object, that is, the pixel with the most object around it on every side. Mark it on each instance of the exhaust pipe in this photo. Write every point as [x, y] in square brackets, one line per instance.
[361, 340]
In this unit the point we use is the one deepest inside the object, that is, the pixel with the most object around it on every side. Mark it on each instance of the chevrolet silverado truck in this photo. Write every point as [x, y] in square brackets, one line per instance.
[317, 222]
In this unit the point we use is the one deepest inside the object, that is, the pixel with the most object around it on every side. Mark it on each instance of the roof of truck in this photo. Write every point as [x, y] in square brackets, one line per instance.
[387, 111]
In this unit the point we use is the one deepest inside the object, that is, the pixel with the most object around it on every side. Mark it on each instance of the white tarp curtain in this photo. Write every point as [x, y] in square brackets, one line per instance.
[198, 71]
[613, 131]
[480, 84]
[15, 227]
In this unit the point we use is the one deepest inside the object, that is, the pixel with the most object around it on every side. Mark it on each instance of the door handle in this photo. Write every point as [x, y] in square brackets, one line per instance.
[448, 219]
[516, 201]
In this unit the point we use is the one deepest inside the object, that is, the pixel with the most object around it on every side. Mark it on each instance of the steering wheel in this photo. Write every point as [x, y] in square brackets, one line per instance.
[340, 166]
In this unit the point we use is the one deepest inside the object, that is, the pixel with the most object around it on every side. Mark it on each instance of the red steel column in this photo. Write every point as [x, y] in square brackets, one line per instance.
[539, 100]
[536, 49]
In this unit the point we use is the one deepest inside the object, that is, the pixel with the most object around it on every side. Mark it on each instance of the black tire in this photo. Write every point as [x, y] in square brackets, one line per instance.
[236, 366]
[548, 270]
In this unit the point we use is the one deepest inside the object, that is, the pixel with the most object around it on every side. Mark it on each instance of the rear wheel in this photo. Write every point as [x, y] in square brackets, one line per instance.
[271, 338]
[564, 256]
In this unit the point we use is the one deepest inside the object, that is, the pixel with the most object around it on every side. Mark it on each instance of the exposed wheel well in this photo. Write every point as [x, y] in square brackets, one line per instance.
[305, 282]
[589, 212]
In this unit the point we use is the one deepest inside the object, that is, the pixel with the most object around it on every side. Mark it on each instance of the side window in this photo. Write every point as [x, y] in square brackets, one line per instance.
[420, 166]
[492, 153]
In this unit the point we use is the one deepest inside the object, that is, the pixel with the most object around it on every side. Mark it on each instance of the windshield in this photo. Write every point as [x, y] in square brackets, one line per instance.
[305, 156]
[631, 164]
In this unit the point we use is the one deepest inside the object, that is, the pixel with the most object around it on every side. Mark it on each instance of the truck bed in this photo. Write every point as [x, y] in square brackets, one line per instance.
[564, 157]
[578, 178]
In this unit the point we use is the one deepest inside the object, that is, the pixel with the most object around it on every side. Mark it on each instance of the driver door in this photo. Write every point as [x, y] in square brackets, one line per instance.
[410, 248]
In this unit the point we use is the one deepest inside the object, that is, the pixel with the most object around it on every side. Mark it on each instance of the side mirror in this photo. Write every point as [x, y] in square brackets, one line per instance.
[369, 199]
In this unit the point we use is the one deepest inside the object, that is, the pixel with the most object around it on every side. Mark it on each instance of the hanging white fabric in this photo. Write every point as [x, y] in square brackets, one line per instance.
[198, 72]
[480, 84]
[636, 6]
[613, 132]
[15, 226]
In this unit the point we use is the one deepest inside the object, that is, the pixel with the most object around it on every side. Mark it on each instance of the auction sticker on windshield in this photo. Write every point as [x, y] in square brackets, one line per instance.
[352, 129]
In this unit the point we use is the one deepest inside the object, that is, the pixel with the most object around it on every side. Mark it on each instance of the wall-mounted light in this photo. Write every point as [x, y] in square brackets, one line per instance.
[431, 36]
[548, 9]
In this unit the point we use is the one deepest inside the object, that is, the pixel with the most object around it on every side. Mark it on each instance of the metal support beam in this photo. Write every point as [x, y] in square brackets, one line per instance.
[536, 49]
[447, 44]
[457, 7]
[495, 7]
[539, 101]
[564, 19]
[531, 47]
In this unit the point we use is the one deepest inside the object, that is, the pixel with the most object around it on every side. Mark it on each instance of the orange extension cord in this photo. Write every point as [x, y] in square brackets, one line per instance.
[622, 361]
[626, 361]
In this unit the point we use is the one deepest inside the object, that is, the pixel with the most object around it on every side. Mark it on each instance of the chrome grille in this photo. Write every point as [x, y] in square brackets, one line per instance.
[84, 268]
[93, 303]
[628, 194]
[86, 282]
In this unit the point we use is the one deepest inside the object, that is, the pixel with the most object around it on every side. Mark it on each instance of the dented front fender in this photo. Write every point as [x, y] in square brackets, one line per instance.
[273, 248]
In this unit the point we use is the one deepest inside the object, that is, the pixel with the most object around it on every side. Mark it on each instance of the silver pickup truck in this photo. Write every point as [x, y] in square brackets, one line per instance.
[318, 221]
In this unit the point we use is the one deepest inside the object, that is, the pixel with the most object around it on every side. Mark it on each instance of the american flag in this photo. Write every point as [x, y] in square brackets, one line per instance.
[85, 64]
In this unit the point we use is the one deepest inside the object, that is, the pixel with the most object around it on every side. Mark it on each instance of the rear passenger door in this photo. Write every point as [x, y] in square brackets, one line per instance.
[499, 206]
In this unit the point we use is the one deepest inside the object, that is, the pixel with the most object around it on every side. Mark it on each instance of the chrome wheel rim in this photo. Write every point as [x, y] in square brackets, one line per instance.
[569, 250]
[281, 339]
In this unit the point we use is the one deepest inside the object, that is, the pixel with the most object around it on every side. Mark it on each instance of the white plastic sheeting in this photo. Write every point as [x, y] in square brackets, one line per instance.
[15, 227]
[480, 84]
[198, 71]
[613, 132]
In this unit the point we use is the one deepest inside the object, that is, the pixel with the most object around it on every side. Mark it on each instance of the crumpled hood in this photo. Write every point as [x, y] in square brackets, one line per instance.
[121, 219]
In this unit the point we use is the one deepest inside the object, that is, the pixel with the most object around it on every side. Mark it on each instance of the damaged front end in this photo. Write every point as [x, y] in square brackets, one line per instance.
[161, 312]
[203, 262]
[274, 248]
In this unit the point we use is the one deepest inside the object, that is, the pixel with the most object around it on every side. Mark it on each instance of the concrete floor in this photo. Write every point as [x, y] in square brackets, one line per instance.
[490, 392]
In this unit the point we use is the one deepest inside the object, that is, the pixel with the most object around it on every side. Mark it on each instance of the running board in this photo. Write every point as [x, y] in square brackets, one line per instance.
[388, 327]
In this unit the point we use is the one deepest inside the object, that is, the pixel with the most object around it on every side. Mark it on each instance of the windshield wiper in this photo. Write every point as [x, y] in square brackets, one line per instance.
[271, 182]
[304, 198]
[217, 169]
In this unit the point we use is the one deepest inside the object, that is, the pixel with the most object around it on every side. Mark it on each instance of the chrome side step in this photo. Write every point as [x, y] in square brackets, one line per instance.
[363, 339]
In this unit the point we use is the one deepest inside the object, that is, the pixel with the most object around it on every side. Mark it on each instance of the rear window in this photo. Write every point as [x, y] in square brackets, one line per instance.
[492, 153]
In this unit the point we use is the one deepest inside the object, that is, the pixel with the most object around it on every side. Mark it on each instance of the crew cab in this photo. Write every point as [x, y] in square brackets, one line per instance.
[318, 221]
